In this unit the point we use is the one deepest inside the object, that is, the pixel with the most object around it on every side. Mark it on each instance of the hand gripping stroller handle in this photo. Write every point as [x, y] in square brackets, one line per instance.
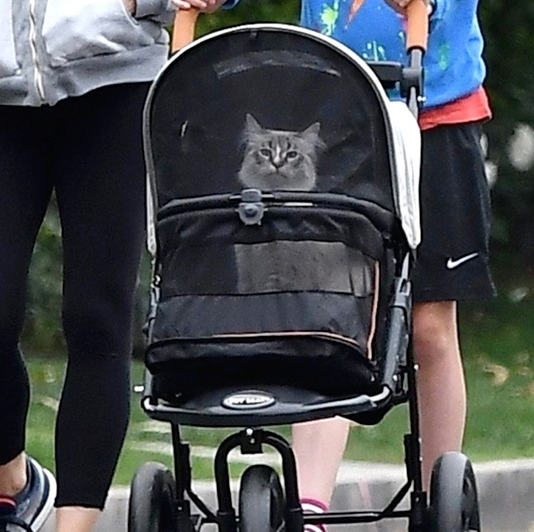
[183, 31]
[417, 25]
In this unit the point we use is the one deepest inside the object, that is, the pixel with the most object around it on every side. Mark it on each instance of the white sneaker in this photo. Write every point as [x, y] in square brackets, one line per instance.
[29, 509]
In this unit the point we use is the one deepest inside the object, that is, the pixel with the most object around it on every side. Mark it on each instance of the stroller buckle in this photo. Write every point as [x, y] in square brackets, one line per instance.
[251, 208]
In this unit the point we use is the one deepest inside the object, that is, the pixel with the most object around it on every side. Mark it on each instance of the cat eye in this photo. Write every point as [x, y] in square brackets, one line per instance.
[265, 153]
[292, 154]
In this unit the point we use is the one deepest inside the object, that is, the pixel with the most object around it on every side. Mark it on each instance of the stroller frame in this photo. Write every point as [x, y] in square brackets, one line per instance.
[252, 441]
[453, 497]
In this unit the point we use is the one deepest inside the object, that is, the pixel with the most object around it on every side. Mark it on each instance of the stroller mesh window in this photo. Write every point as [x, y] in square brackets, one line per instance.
[270, 83]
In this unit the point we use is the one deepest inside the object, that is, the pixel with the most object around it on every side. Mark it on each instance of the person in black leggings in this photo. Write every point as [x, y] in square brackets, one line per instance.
[89, 151]
[74, 148]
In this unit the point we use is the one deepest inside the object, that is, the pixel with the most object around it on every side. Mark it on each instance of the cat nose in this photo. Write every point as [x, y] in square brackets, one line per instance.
[277, 163]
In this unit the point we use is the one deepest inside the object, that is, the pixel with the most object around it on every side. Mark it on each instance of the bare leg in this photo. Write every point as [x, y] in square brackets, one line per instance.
[13, 475]
[69, 518]
[319, 447]
[441, 384]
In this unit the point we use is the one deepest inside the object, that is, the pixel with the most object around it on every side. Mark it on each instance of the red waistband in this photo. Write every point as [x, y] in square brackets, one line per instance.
[471, 108]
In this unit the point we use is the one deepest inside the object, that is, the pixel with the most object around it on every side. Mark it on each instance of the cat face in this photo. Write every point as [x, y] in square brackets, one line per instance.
[279, 160]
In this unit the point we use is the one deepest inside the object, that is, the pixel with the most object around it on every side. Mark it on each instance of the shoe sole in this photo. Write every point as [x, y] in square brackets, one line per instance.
[48, 505]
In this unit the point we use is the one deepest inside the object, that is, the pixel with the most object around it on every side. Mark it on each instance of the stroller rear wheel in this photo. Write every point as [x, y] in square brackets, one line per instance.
[453, 495]
[152, 500]
[261, 500]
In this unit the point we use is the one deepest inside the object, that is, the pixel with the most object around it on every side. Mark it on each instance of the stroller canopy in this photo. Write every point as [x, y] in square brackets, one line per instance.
[215, 94]
[278, 79]
[294, 128]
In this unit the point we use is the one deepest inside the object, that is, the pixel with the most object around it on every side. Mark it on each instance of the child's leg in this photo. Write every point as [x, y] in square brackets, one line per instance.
[440, 381]
[319, 447]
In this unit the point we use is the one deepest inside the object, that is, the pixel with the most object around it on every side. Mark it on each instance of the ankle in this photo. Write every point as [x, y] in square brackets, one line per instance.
[13, 476]
[77, 518]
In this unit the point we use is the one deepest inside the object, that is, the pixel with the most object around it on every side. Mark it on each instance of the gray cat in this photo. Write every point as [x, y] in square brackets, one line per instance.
[279, 160]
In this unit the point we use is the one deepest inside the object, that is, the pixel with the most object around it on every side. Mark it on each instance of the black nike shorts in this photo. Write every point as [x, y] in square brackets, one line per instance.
[453, 258]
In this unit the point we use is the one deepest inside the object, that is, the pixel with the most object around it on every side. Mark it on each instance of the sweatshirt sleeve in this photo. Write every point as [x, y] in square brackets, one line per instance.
[160, 10]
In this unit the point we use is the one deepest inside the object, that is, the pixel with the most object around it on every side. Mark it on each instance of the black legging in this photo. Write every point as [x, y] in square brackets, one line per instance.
[89, 150]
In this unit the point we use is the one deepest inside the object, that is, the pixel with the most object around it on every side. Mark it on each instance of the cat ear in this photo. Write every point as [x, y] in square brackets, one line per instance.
[311, 133]
[253, 125]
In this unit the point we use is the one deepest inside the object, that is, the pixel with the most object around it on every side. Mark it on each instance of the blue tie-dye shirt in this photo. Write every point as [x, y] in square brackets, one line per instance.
[453, 63]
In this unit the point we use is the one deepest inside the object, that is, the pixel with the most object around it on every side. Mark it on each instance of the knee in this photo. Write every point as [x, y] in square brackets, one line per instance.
[435, 335]
[96, 328]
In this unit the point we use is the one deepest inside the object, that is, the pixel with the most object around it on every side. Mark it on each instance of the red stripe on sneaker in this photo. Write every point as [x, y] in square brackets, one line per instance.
[9, 501]
[314, 528]
[314, 505]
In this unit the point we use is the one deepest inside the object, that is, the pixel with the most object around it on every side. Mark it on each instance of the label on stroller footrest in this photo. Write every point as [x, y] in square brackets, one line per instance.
[249, 400]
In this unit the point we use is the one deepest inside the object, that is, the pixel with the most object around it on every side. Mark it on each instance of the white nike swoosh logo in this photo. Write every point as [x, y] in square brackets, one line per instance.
[454, 263]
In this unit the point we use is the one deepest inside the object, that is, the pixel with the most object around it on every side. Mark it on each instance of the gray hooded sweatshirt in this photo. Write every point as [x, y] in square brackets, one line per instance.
[53, 49]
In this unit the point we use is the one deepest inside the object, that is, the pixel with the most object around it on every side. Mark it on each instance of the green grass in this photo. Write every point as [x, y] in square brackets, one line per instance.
[47, 375]
[498, 346]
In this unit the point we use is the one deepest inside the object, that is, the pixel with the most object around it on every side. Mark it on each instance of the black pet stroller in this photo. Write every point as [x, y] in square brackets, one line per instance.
[283, 221]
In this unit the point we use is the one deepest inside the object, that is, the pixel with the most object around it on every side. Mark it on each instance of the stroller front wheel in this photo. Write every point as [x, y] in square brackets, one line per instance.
[151, 506]
[453, 495]
[261, 500]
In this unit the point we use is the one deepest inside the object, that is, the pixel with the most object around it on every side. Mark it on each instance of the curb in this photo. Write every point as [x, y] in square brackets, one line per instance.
[506, 494]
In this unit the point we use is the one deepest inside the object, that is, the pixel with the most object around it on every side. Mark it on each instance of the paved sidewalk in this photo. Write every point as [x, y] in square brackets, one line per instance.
[506, 490]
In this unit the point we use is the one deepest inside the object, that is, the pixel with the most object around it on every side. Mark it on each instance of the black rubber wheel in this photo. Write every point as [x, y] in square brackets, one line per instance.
[152, 504]
[261, 500]
[453, 495]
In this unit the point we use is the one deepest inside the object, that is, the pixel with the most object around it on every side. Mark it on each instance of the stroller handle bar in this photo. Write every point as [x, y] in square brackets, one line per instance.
[416, 31]
[183, 32]
[417, 25]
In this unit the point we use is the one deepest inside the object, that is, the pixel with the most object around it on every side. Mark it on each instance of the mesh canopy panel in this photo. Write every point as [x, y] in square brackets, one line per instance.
[252, 99]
